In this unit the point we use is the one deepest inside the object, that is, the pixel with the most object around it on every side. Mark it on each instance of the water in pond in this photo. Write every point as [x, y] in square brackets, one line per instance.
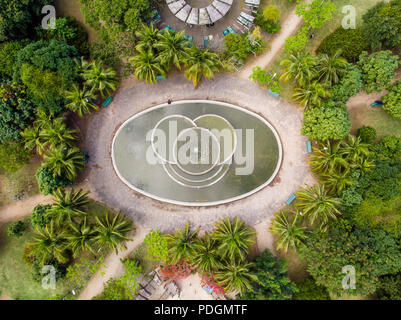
[215, 172]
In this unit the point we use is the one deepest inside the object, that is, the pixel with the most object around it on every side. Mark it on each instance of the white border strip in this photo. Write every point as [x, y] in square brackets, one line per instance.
[203, 204]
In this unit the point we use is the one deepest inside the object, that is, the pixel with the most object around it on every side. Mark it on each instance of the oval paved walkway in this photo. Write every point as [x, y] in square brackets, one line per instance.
[109, 189]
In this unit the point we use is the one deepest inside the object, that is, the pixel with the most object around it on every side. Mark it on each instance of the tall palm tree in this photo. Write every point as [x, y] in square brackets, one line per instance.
[201, 63]
[79, 100]
[68, 204]
[353, 148]
[147, 66]
[147, 38]
[43, 118]
[172, 48]
[32, 139]
[299, 67]
[318, 205]
[112, 231]
[291, 234]
[236, 276]
[336, 182]
[64, 161]
[56, 133]
[48, 243]
[234, 238]
[327, 157]
[182, 244]
[312, 95]
[205, 257]
[80, 237]
[331, 68]
[101, 79]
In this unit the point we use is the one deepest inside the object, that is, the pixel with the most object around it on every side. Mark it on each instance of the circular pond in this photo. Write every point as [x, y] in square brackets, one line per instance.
[196, 153]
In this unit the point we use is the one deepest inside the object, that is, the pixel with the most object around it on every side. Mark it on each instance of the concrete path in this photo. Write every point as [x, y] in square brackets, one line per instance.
[113, 266]
[288, 28]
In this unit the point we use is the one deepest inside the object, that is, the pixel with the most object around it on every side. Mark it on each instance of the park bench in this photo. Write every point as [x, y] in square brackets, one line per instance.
[107, 102]
[290, 199]
[308, 147]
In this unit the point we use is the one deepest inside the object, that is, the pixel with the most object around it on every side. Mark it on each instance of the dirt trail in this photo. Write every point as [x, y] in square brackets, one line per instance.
[113, 266]
[288, 28]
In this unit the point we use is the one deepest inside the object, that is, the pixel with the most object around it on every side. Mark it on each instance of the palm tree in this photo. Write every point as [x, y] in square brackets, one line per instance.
[354, 148]
[317, 205]
[201, 63]
[365, 165]
[291, 235]
[330, 69]
[327, 158]
[43, 119]
[147, 38]
[56, 133]
[48, 243]
[236, 276]
[204, 257]
[64, 161]
[234, 238]
[313, 94]
[147, 67]
[182, 244]
[299, 67]
[32, 139]
[172, 48]
[111, 232]
[101, 79]
[68, 203]
[80, 237]
[79, 100]
[336, 182]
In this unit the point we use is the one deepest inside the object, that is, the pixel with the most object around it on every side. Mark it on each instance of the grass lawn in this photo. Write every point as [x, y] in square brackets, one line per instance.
[15, 275]
[376, 118]
[23, 181]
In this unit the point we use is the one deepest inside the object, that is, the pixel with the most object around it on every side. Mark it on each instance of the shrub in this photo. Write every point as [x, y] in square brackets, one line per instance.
[264, 78]
[349, 85]
[47, 182]
[60, 269]
[16, 111]
[13, 156]
[309, 290]
[331, 121]
[378, 69]
[392, 100]
[268, 20]
[8, 56]
[389, 287]
[367, 134]
[157, 246]
[16, 229]
[68, 29]
[351, 41]
[382, 25]
[273, 282]
[39, 219]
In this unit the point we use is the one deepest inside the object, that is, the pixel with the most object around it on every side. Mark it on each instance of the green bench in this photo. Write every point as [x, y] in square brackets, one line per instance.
[107, 102]
[308, 147]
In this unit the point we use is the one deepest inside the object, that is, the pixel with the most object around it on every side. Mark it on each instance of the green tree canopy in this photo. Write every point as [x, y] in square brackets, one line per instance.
[331, 121]
[378, 69]
[392, 100]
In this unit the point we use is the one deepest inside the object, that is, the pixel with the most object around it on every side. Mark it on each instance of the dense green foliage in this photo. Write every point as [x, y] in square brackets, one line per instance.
[8, 56]
[331, 121]
[18, 17]
[382, 25]
[16, 111]
[389, 287]
[309, 290]
[47, 68]
[67, 29]
[371, 253]
[349, 85]
[16, 229]
[367, 134]
[13, 156]
[47, 182]
[392, 100]
[40, 217]
[351, 41]
[378, 69]
[272, 279]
